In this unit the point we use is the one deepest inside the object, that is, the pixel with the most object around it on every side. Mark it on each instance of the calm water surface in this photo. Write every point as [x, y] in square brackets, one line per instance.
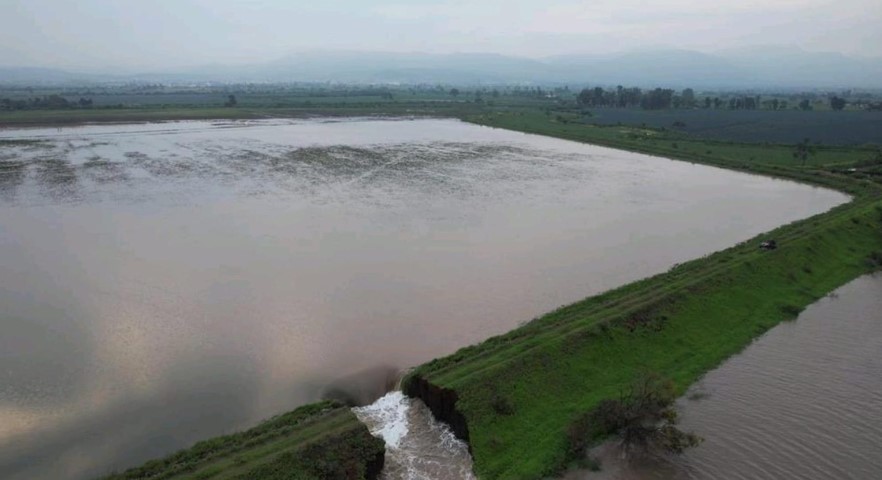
[803, 402]
[164, 283]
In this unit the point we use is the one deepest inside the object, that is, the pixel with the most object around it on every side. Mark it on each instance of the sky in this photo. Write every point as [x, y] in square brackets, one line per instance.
[156, 34]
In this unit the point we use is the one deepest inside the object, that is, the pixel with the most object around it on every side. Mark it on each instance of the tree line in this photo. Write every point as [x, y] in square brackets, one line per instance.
[621, 97]
[47, 102]
[666, 98]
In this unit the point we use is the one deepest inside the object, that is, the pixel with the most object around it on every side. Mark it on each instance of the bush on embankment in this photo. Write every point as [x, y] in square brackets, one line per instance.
[681, 324]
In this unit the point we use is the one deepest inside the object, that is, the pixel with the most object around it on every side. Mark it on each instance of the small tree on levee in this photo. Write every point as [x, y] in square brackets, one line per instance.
[803, 151]
[642, 417]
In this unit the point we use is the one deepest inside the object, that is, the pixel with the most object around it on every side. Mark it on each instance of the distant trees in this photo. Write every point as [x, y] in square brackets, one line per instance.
[837, 103]
[657, 99]
[803, 151]
[744, 103]
[47, 102]
[622, 97]
[231, 101]
[626, 97]
[772, 104]
[594, 97]
[454, 92]
[663, 98]
[805, 104]
[688, 98]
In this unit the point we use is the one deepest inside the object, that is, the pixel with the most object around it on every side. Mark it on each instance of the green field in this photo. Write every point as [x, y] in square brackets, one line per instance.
[826, 127]
[316, 441]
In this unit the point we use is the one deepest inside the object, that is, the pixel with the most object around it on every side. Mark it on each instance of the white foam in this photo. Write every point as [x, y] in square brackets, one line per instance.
[418, 447]
[387, 417]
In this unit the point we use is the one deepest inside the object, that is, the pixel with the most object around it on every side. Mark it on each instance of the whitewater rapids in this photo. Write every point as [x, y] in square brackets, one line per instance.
[418, 447]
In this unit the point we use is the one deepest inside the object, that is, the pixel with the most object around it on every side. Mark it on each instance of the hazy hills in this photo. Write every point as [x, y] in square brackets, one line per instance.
[743, 68]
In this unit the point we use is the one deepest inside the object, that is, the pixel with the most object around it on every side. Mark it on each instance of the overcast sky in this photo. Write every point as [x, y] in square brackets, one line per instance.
[139, 34]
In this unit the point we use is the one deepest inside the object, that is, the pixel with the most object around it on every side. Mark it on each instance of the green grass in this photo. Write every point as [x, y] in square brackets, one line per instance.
[316, 441]
[681, 323]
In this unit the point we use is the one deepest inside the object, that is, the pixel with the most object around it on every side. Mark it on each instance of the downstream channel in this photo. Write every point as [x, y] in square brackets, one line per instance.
[804, 401]
[164, 283]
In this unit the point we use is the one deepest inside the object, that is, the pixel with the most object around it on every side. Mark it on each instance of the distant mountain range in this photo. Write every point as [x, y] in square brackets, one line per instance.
[771, 67]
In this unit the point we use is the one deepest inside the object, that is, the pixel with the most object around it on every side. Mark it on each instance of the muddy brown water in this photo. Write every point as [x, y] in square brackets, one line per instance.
[164, 283]
[803, 402]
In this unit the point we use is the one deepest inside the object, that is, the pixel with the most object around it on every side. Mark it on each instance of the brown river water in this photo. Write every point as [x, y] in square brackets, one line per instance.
[165, 283]
[803, 402]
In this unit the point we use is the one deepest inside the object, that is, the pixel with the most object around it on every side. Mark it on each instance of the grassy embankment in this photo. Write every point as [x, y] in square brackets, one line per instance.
[316, 441]
[513, 396]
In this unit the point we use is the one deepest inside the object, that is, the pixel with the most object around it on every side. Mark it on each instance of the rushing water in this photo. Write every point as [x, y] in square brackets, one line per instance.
[804, 401]
[418, 447]
[164, 283]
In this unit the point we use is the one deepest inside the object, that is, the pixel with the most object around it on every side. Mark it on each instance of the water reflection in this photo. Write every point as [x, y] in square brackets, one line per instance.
[163, 283]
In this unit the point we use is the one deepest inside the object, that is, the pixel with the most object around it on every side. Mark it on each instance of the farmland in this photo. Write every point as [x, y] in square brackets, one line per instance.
[755, 126]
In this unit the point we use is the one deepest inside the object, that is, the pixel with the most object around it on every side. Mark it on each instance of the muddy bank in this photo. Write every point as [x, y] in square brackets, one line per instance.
[441, 402]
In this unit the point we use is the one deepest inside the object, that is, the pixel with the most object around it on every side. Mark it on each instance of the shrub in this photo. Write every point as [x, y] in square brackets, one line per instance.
[874, 260]
[792, 311]
[643, 416]
[501, 405]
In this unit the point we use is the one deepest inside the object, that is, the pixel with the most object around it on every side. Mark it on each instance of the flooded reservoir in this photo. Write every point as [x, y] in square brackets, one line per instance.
[804, 401]
[165, 283]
